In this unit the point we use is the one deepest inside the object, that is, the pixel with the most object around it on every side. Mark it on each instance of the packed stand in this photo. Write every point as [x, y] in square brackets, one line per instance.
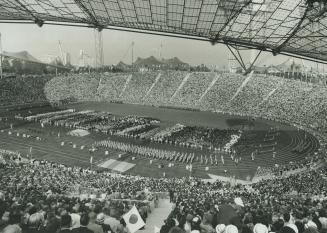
[23, 90]
[34, 198]
[273, 98]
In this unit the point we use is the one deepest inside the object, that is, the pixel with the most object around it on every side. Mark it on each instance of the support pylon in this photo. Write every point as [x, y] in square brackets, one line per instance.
[99, 56]
[1, 72]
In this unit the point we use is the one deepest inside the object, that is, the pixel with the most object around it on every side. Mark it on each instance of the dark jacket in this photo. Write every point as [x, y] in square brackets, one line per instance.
[81, 229]
[65, 231]
[226, 214]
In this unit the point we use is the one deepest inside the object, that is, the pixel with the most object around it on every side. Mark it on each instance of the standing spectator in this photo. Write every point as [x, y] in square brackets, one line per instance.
[105, 227]
[206, 225]
[66, 223]
[111, 221]
[323, 220]
[195, 225]
[93, 226]
[52, 223]
[34, 223]
[289, 222]
[14, 221]
[75, 219]
[229, 212]
[84, 221]
[171, 195]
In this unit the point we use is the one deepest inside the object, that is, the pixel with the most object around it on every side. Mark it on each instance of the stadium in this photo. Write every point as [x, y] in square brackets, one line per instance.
[161, 144]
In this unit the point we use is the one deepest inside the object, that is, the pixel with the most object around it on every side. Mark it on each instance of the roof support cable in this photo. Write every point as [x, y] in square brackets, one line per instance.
[91, 16]
[292, 34]
[231, 18]
[39, 22]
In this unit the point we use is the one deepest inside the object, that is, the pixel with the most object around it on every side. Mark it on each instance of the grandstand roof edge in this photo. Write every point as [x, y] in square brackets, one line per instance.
[175, 35]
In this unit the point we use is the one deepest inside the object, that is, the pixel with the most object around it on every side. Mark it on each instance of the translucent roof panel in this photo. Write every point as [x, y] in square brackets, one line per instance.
[282, 26]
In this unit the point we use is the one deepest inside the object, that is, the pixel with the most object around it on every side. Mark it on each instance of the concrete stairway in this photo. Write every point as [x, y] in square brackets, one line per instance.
[157, 217]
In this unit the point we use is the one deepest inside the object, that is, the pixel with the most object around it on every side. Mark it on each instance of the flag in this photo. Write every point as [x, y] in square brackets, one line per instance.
[133, 220]
[91, 159]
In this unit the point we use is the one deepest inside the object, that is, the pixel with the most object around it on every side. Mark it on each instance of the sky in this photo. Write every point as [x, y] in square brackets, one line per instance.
[44, 42]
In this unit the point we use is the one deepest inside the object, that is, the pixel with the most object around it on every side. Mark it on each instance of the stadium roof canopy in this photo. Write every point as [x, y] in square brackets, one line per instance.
[294, 27]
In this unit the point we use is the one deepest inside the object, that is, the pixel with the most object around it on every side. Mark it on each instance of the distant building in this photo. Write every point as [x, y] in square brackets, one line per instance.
[67, 59]
[273, 70]
[152, 63]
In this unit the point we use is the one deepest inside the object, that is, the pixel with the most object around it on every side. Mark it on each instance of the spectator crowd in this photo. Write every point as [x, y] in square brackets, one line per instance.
[35, 197]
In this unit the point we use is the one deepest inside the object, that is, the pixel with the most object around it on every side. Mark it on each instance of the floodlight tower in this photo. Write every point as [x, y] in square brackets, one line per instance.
[99, 56]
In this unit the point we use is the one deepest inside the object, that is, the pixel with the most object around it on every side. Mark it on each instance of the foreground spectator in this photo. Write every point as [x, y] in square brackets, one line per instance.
[84, 221]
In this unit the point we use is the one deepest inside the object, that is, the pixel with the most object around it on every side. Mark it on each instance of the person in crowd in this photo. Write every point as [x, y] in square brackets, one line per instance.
[195, 225]
[66, 223]
[52, 223]
[323, 220]
[93, 225]
[100, 220]
[75, 217]
[289, 221]
[230, 212]
[110, 220]
[34, 223]
[206, 224]
[13, 223]
[168, 224]
[84, 221]
[231, 229]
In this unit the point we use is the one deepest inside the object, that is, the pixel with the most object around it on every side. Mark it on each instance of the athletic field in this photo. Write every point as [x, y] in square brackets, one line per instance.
[50, 146]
